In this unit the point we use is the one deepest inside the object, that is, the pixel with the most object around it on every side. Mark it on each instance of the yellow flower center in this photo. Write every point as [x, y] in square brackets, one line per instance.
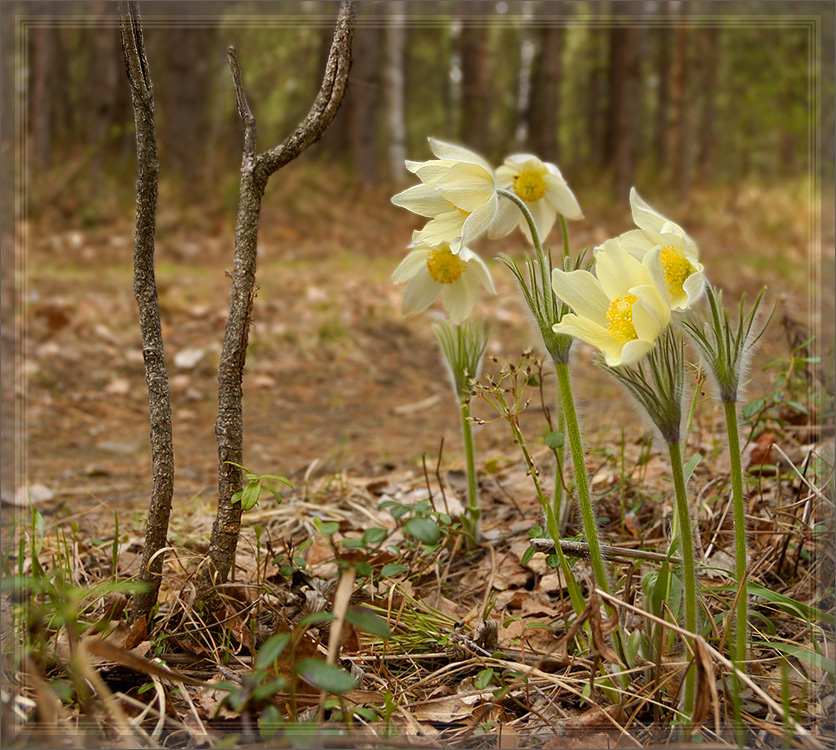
[530, 183]
[620, 317]
[444, 266]
[675, 267]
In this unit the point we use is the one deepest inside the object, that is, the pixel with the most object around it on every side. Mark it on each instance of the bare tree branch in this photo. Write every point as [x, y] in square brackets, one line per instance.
[145, 290]
[327, 102]
[255, 171]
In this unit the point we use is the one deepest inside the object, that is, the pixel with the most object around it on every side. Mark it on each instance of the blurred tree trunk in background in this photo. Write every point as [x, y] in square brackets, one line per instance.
[394, 80]
[183, 110]
[661, 123]
[595, 94]
[363, 98]
[682, 95]
[105, 82]
[529, 50]
[622, 115]
[544, 105]
[42, 59]
[474, 123]
[709, 57]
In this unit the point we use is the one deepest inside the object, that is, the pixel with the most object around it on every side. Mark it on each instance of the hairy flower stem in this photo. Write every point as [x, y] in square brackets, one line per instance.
[560, 504]
[688, 567]
[471, 518]
[738, 647]
[581, 481]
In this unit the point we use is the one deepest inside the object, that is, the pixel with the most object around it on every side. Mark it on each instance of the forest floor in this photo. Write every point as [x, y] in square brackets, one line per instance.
[350, 401]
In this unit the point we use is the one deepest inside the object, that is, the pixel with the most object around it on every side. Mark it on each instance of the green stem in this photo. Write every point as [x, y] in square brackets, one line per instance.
[532, 226]
[474, 512]
[581, 481]
[738, 655]
[738, 648]
[565, 236]
[688, 567]
[559, 503]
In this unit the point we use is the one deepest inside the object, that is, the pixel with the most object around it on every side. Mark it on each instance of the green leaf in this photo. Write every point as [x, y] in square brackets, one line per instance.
[392, 569]
[273, 492]
[232, 463]
[692, 464]
[351, 543]
[268, 689]
[250, 495]
[328, 527]
[374, 535]
[555, 440]
[802, 654]
[752, 408]
[271, 650]
[802, 611]
[527, 555]
[269, 722]
[330, 679]
[236, 498]
[631, 648]
[535, 532]
[363, 568]
[367, 620]
[483, 679]
[423, 529]
[315, 618]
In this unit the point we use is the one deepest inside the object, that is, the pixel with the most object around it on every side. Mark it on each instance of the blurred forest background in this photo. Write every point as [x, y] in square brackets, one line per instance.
[721, 113]
[668, 94]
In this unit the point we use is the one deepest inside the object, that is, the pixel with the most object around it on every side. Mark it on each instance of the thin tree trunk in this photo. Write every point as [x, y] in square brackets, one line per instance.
[475, 126]
[545, 103]
[363, 99]
[663, 96]
[709, 57]
[683, 151]
[394, 80]
[256, 169]
[145, 290]
[42, 94]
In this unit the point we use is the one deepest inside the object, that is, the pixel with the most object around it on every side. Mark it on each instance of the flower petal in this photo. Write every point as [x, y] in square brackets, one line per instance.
[586, 330]
[618, 271]
[544, 216]
[638, 243]
[424, 200]
[477, 269]
[694, 286]
[478, 222]
[505, 220]
[445, 227]
[562, 198]
[452, 152]
[583, 293]
[410, 265]
[644, 216]
[459, 298]
[651, 313]
[420, 293]
[631, 353]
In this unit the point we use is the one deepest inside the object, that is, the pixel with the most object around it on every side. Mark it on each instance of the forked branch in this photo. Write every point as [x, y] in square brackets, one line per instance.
[255, 171]
[145, 290]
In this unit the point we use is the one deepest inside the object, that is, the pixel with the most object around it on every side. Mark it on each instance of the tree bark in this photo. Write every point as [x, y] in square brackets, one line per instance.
[683, 148]
[663, 92]
[256, 169]
[394, 80]
[474, 123]
[709, 60]
[544, 109]
[363, 100]
[145, 290]
[621, 118]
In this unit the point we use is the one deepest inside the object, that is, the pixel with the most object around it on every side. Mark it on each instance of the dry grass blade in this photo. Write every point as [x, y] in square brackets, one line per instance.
[140, 664]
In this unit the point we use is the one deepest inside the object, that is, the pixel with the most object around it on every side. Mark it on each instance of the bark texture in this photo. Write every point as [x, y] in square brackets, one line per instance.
[145, 290]
[255, 171]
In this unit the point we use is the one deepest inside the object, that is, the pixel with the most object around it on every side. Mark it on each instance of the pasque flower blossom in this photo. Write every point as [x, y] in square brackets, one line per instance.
[621, 312]
[458, 194]
[670, 255]
[432, 270]
[544, 191]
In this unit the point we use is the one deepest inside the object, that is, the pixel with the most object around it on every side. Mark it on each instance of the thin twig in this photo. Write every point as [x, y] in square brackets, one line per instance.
[581, 549]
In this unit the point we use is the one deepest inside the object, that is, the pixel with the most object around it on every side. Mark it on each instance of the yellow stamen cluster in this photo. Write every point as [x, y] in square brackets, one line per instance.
[530, 183]
[620, 317]
[676, 268]
[444, 266]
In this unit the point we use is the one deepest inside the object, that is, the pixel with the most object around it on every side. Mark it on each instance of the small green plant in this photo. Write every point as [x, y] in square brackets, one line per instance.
[248, 497]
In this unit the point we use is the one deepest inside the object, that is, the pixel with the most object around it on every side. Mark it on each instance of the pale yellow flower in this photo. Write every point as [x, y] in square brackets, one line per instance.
[458, 194]
[544, 191]
[670, 255]
[621, 312]
[429, 271]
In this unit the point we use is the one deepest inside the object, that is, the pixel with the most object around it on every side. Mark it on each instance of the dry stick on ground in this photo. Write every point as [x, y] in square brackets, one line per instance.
[145, 290]
[255, 171]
